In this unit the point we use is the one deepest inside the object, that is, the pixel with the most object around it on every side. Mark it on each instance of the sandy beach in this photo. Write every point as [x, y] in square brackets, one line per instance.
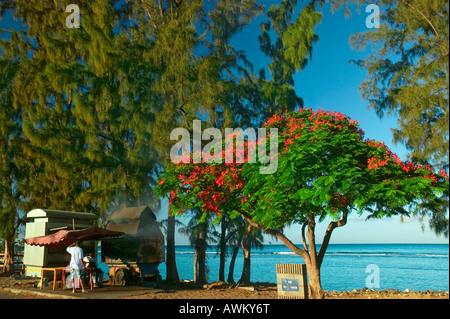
[23, 288]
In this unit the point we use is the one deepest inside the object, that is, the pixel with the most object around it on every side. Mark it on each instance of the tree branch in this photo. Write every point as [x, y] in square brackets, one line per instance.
[423, 15]
[181, 107]
[161, 9]
[302, 253]
[312, 240]
[326, 238]
[303, 236]
[150, 17]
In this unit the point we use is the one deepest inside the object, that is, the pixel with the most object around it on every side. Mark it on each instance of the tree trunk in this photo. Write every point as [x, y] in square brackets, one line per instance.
[200, 249]
[10, 224]
[171, 265]
[314, 285]
[233, 261]
[313, 265]
[8, 260]
[246, 248]
[195, 265]
[313, 259]
[223, 250]
[245, 277]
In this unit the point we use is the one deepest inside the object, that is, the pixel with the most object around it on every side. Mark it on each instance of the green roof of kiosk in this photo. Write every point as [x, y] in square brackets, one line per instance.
[42, 213]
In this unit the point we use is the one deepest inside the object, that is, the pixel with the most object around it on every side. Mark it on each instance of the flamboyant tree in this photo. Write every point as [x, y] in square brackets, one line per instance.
[325, 169]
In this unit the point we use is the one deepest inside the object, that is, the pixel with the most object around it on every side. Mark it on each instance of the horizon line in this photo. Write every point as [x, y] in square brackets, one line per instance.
[300, 244]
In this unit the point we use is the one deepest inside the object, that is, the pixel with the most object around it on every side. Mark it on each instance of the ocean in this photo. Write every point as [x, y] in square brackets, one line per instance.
[417, 267]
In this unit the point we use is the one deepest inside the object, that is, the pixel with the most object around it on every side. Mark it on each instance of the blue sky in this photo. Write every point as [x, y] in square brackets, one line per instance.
[331, 82]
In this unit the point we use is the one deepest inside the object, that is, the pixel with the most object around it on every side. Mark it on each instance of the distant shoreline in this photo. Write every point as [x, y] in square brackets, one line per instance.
[300, 244]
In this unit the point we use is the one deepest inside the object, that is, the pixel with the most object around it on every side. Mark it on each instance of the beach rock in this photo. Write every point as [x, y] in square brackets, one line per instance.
[390, 291]
[218, 285]
[406, 290]
[247, 288]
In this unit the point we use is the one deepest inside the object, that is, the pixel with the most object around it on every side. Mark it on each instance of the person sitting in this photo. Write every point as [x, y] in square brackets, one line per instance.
[91, 265]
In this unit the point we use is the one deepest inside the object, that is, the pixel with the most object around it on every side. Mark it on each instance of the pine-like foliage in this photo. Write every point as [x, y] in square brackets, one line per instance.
[288, 42]
[87, 112]
[408, 74]
[10, 153]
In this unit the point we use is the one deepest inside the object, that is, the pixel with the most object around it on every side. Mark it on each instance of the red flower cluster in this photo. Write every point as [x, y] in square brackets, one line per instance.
[211, 200]
[374, 143]
[432, 177]
[295, 126]
[276, 119]
[409, 167]
[215, 181]
[173, 195]
[374, 163]
[339, 200]
[216, 185]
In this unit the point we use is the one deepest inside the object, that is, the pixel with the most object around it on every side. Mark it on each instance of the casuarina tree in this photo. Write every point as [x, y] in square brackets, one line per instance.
[408, 73]
[326, 169]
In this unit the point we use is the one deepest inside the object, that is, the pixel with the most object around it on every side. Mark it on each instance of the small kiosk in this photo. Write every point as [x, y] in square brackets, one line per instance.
[136, 255]
[41, 222]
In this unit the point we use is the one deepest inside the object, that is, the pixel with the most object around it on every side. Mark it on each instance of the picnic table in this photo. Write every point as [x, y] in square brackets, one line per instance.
[55, 270]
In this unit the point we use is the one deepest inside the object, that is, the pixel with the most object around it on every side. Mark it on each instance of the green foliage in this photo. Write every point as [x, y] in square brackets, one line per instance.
[408, 74]
[97, 103]
[87, 113]
[328, 169]
[289, 51]
[10, 153]
[325, 169]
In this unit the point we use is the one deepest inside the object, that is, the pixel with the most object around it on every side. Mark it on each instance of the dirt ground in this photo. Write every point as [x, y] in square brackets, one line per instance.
[270, 292]
[23, 288]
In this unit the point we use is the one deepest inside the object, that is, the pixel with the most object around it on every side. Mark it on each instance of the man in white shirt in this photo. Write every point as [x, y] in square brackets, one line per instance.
[76, 264]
